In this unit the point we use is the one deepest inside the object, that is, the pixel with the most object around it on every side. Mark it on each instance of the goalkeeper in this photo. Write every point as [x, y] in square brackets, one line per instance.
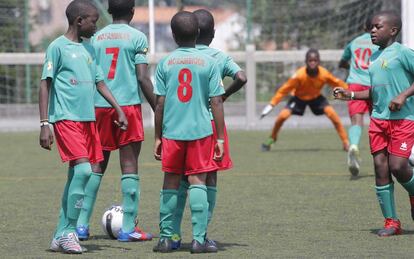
[305, 86]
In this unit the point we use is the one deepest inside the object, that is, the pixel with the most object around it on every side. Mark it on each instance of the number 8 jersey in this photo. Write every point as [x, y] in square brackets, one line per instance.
[359, 50]
[119, 47]
[187, 78]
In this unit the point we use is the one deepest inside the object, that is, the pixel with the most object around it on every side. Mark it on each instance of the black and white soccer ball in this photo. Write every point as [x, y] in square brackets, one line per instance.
[112, 221]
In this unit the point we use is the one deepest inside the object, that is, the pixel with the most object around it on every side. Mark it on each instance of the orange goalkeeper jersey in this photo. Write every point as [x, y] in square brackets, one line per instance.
[305, 87]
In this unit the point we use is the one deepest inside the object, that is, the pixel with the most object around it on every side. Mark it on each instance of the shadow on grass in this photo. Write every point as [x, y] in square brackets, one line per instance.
[185, 247]
[304, 150]
[404, 232]
[355, 178]
[94, 247]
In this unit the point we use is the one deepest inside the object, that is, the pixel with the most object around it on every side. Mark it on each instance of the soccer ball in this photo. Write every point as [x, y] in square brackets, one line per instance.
[112, 221]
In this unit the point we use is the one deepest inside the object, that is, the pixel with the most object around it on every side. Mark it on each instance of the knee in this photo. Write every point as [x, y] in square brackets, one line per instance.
[398, 169]
[284, 114]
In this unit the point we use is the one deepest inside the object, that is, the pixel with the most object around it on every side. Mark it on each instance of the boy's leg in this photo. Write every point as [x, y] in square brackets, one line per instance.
[385, 194]
[178, 215]
[336, 121]
[354, 133]
[168, 205]
[281, 118]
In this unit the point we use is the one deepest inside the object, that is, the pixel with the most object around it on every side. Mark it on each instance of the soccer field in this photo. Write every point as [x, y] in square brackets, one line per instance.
[296, 201]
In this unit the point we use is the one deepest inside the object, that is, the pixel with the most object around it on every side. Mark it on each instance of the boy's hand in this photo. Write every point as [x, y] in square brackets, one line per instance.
[218, 151]
[341, 94]
[397, 103]
[267, 109]
[122, 121]
[157, 149]
[46, 138]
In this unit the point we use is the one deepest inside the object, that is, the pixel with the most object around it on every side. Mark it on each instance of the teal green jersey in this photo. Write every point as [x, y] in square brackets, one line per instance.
[187, 78]
[74, 73]
[391, 71]
[358, 52]
[225, 63]
[119, 47]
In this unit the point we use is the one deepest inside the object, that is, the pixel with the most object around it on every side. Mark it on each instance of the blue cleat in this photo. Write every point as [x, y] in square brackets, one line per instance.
[134, 236]
[82, 232]
[175, 242]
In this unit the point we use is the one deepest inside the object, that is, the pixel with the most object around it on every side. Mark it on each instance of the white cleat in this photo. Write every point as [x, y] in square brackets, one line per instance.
[353, 160]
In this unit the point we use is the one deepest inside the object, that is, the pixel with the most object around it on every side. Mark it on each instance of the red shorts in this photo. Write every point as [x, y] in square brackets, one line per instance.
[188, 157]
[395, 135]
[226, 163]
[75, 140]
[112, 137]
[359, 106]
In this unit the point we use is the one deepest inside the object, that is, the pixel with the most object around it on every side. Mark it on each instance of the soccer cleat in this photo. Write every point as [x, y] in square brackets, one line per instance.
[412, 207]
[353, 160]
[82, 232]
[69, 244]
[134, 236]
[175, 242]
[267, 145]
[391, 227]
[211, 245]
[164, 245]
[54, 245]
[198, 248]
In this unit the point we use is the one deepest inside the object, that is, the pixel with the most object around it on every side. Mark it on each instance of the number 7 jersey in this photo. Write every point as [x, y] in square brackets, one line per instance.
[187, 78]
[119, 47]
[359, 51]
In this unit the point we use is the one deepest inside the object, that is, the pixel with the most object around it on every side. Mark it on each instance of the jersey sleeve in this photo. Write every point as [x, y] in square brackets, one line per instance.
[141, 50]
[285, 89]
[51, 62]
[334, 81]
[215, 84]
[347, 55]
[230, 68]
[407, 59]
[99, 74]
[160, 84]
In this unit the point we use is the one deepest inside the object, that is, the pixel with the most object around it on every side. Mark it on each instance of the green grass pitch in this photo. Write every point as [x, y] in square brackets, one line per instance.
[296, 201]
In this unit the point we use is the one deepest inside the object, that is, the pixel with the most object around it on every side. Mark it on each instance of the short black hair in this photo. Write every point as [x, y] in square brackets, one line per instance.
[120, 7]
[78, 8]
[393, 17]
[184, 25]
[312, 51]
[368, 23]
[205, 23]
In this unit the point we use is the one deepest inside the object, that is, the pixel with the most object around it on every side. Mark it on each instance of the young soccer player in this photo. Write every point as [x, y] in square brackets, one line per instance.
[185, 82]
[356, 58]
[305, 86]
[121, 53]
[70, 78]
[227, 67]
[390, 131]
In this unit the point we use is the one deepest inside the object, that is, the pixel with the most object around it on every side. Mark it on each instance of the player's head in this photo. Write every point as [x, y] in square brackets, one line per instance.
[312, 60]
[184, 28]
[121, 9]
[206, 25]
[83, 15]
[385, 27]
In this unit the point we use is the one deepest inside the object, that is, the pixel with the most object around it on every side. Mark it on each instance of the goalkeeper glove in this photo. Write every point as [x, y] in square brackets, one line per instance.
[267, 109]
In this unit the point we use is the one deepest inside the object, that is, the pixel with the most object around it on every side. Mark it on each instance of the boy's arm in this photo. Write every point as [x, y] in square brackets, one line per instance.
[159, 115]
[104, 91]
[398, 102]
[145, 83]
[346, 57]
[335, 82]
[216, 103]
[46, 136]
[239, 81]
[346, 95]
[284, 90]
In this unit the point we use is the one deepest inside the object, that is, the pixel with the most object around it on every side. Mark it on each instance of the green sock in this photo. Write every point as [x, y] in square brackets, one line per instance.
[199, 211]
[211, 198]
[385, 195]
[354, 133]
[168, 205]
[409, 186]
[63, 221]
[181, 200]
[76, 193]
[91, 191]
[130, 200]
